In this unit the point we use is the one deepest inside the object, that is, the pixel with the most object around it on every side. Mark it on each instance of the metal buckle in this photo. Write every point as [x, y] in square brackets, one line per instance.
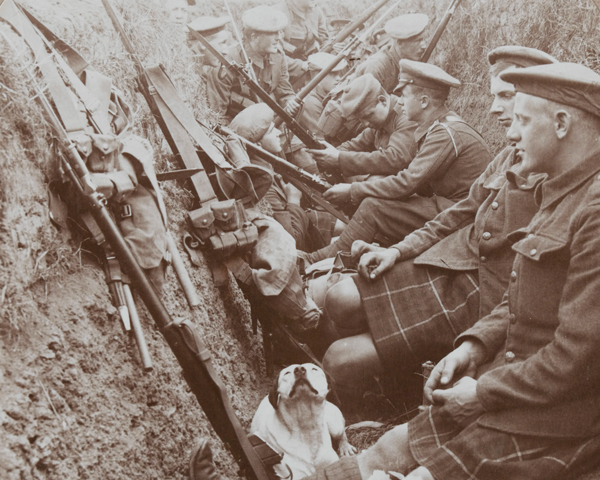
[125, 211]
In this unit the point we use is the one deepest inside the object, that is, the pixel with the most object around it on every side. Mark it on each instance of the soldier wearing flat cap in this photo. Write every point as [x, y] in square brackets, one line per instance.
[227, 95]
[407, 33]
[386, 145]
[464, 247]
[215, 31]
[305, 32]
[450, 156]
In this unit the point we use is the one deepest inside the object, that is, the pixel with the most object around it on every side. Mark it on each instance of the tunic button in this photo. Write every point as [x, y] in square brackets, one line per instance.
[531, 235]
[487, 235]
[483, 259]
[533, 252]
[513, 275]
[510, 356]
[494, 205]
[513, 318]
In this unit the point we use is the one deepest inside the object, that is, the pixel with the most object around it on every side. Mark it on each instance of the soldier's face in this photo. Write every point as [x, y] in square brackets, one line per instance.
[533, 132]
[178, 11]
[375, 115]
[221, 42]
[504, 101]
[414, 48]
[265, 43]
[270, 140]
[411, 104]
[305, 5]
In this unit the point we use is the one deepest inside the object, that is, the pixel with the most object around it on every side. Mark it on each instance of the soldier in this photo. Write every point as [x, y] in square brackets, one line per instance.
[457, 265]
[227, 94]
[408, 41]
[178, 12]
[451, 155]
[306, 30]
[385, 147]
[311, 230]
[213, 29]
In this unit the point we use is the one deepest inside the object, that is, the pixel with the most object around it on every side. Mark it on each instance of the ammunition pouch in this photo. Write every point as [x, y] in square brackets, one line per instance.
[223, 228]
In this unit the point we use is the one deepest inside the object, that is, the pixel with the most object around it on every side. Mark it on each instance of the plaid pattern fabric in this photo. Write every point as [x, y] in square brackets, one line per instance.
[480, 453]
[320, 228]
[416, 311]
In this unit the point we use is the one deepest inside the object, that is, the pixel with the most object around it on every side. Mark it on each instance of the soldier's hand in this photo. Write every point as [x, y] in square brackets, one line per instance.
[461, 362]
[460, 402]
[360, 247]
[374, 264]
[327, 159]
[292, 107]
[338, 194]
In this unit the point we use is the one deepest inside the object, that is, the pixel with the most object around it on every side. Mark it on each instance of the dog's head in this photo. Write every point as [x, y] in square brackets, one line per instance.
[299, 381]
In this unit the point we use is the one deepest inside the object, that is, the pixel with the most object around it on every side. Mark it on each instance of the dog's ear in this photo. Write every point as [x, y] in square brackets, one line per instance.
[274, 393]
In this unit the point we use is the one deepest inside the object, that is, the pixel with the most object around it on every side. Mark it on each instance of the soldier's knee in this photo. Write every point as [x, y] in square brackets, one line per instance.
[340, 362]
[343, 303]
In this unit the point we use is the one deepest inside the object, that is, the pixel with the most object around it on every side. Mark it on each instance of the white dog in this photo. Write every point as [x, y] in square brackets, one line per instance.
[297, 421]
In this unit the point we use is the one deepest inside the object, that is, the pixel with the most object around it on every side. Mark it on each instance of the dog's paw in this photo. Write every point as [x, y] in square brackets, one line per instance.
[346, 449]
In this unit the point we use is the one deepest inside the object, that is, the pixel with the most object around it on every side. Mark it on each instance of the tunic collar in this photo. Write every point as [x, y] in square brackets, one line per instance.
[423, 129]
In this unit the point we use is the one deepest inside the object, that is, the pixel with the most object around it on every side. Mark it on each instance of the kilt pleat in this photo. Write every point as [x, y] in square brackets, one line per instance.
[450, 452]
[415, 312]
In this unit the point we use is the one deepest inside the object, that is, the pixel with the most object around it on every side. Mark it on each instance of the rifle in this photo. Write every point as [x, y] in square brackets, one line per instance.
[239, 39]
[351, 27]
[236, 69]
[184, 341]
[343, 54]
[312, 186]
[439, 30]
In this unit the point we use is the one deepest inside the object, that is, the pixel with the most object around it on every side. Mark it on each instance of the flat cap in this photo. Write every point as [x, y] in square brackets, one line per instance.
[520, 56]
[359, 94]
[406, 26]
[322, 60]
[206, 26]
[424, 75]
[565, 83]
[253, 122]
[264, 19]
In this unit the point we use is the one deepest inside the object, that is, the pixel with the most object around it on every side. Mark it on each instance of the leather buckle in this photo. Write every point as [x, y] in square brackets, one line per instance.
[125, 211]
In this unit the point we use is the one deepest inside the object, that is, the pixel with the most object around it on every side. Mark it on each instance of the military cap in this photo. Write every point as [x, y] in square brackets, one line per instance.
[520, 56]
[253, 122]
[206, 26]
[406, 26]
[359, 94]
[264, 19]
[424, 75]
[322, 60]
[565, 83]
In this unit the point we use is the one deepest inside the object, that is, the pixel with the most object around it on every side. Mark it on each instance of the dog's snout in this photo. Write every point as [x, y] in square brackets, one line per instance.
[300, 371]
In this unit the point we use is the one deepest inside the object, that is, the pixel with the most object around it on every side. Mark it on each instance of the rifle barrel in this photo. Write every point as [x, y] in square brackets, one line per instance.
[439, 30]
[349, 29]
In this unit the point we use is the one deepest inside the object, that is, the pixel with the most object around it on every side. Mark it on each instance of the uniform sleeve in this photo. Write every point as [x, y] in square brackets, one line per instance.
[437, 151]
[284, 91]
[294, 66]
[359, 156]
[218, 89]
[322, 28]
[568, 366]
[451, 219]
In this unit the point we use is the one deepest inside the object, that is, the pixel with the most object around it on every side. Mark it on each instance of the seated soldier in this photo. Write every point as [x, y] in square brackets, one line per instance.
[451, 155]
[226, 93]
[312, 229]
[305, 31]
[385, 147]
[519, 397]
[213, 29]
[457, 265]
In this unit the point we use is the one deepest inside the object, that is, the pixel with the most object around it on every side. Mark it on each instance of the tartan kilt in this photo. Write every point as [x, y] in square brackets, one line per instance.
[415, 312]
[450, 452]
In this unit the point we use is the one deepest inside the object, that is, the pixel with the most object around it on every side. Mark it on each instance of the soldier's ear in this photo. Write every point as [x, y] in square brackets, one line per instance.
[274, 393]
[425, 101]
